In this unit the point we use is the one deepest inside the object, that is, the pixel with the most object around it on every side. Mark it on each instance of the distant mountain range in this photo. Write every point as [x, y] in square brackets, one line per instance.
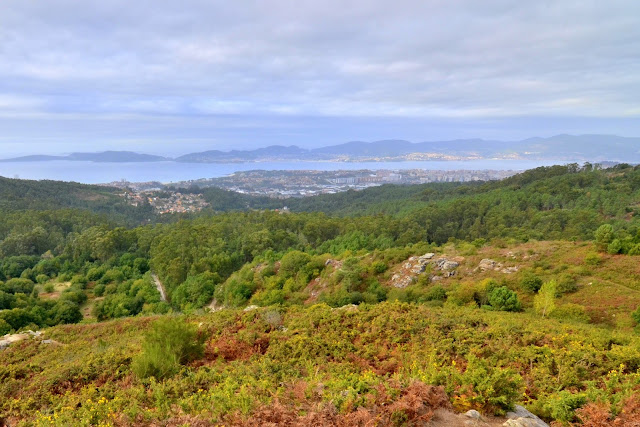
[560, 147]
[103, 157]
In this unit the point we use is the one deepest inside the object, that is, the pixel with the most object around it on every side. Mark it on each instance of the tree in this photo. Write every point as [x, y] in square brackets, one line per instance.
[604, 235]
[504, 299]
[544, 301]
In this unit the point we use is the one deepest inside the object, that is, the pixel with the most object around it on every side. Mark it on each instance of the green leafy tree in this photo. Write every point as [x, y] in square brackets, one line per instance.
[604, 235]
[544, 301]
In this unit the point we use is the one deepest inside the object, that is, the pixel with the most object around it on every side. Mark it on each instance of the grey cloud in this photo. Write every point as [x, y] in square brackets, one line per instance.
[421, 59]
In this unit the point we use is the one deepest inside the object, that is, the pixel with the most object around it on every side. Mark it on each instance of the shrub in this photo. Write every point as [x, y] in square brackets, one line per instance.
[42, 278]
[379, 267]
[592, 258]
[504, 299]
[66, 311]
[18, 286]
[571, 311]
[530, 282]
[6, 300]
[112, 276]
[615, 247]
[293, 262]
[96, 273]
[49, 287]
[170, 343]
[436, 293]
[566, 284]
[5, 328]
[98, 290]
[79, 279]
[196, 291]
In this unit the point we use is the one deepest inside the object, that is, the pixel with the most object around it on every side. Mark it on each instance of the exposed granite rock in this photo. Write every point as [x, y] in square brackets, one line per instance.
[520, 417]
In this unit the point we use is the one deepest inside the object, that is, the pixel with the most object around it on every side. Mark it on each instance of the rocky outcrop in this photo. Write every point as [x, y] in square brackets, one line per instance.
[520, 417]
[416, 265]
[9, 339]
[491, 265]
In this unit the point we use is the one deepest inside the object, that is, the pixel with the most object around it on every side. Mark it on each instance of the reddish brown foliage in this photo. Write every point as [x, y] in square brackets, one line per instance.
[415, 407]
[599, 415]
[230, 348]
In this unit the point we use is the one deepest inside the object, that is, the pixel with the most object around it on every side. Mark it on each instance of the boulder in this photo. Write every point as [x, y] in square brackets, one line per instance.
[487, 264]
[520, 417]
[450, 265]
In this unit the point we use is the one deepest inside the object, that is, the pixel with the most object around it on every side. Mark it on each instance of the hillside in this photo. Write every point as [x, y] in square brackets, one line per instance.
[20, 194]
[393, 362]
[524, 291]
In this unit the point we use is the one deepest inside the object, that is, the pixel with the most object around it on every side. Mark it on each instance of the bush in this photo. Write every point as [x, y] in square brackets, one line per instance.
[5, 328]
[42, 278]
[18, 286]
[530, 282]
[615, 247]
[379, 267]
[98, 290]
[593, 258]
[566, 284]
[79, 279]
[66, 311]
[504, 299]
[170, 343]
[574, 312]
[49, 287]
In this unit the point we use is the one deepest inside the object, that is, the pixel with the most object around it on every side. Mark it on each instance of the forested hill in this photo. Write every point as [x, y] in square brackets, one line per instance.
[20, 195]
[543, 188]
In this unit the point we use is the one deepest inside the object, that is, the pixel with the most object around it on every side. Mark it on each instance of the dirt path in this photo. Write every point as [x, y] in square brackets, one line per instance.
[159, 286]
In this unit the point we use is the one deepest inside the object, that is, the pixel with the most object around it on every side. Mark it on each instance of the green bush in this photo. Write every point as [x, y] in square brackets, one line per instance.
[615, 247]
[379, 267]
[98, 290]
[170, 343]
[66, 311]
[5, 328]
[574, 312]
[530, 282]
[49, 287]
[566, 284]
[504, 299]
[18, 286]
[42, 278]
[593, 258]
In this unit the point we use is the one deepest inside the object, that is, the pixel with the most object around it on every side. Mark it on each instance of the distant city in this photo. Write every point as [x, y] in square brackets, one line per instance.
[171, 198]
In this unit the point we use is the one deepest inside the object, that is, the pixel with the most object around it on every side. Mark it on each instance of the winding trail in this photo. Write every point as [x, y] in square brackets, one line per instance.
[160, 287]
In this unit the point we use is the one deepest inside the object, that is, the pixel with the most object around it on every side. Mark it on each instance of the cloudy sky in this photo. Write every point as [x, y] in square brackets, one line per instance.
[170, 77]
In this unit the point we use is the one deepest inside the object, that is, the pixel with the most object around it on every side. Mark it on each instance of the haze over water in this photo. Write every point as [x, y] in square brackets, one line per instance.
[94, 173]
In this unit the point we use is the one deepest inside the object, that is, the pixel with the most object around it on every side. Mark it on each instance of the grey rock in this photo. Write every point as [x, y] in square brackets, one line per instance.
[473, 414]
[520, 417]
[449, 265]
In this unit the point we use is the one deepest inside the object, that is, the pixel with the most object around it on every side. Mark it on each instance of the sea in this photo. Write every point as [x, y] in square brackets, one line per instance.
[167, 172]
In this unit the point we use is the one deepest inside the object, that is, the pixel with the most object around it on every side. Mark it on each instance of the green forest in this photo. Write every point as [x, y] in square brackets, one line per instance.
[476, 295]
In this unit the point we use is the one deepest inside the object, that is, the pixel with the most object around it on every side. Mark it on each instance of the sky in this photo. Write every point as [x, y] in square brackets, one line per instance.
[169, 77]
